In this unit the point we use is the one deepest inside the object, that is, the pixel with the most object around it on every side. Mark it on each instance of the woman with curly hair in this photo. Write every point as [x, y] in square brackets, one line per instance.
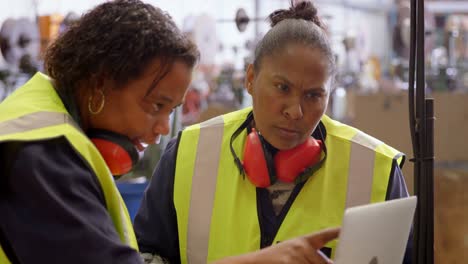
[113, 78]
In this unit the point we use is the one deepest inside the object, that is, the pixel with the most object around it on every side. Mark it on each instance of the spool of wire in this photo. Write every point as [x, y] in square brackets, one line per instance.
[19, 41]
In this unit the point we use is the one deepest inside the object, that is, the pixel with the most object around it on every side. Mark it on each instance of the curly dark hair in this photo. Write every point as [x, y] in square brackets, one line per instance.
[298, 24]
[117, 40]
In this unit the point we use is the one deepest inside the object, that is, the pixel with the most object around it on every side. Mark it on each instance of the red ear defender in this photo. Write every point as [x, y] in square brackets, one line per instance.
[255, 164]
[118, 151]
[291, 163]
[287, 165]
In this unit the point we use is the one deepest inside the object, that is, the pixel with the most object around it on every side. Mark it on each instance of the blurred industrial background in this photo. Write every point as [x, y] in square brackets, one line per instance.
[371, 42]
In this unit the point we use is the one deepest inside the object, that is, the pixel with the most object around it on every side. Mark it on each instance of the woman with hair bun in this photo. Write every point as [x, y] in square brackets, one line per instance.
[266, 176]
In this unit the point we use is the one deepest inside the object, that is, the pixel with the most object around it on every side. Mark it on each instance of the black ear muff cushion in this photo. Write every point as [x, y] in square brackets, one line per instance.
[118, 139]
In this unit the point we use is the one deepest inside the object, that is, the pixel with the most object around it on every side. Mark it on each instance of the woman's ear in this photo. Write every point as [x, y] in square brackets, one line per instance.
[249, 78]
[101, 82]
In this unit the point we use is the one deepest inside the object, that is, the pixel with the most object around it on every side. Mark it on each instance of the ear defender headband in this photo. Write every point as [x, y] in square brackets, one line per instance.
[119, 153]
[293, 165]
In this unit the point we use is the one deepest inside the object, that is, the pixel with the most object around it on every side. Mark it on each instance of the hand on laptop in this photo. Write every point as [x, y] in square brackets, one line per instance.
[303, 249]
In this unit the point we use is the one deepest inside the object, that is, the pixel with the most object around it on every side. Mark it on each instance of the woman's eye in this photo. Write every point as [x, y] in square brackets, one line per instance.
[313, 95]
[156, 107]
[282, 87]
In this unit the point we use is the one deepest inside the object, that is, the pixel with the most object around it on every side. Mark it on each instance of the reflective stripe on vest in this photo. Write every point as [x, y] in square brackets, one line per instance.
[198, 200]
[35, 120]
[361, 171]
[203, 189]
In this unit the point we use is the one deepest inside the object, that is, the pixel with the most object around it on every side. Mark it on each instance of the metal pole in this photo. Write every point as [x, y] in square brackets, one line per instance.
[422, 134]
[421, 130]
[429, 170]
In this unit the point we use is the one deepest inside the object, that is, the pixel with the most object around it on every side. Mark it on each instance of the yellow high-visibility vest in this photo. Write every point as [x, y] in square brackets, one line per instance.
[35, 112]
[217, 208]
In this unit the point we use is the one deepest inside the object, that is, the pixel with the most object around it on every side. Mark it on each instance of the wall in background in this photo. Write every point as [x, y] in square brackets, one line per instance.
[372, 28]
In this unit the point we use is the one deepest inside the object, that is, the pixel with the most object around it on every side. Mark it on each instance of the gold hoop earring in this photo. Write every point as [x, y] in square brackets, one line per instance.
[101, 106]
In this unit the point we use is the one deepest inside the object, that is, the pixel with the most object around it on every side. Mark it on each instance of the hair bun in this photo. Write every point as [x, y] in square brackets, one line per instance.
[302, 10]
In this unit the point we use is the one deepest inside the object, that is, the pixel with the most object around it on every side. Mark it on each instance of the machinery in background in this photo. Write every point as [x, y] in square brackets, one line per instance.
[446, 46]
[22, 43]
[401, 42]
[448, 62]
[20, 48]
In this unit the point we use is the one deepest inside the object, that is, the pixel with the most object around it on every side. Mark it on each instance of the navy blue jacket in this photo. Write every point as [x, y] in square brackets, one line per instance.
[52, 208]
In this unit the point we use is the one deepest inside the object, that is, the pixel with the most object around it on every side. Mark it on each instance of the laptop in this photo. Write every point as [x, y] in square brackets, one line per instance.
[376, 233]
